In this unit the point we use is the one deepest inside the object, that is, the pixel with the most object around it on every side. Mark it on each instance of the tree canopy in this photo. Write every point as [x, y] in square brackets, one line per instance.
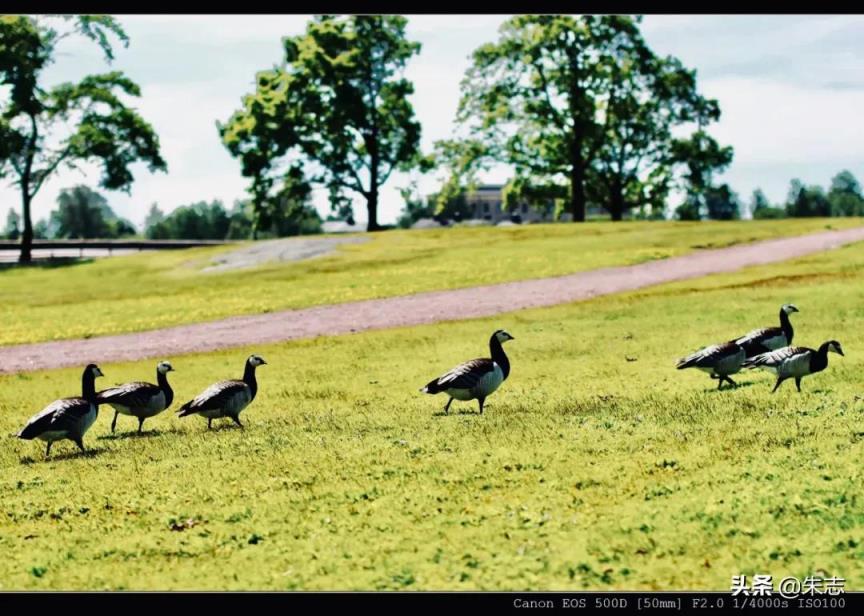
[335, 114]
[582, 107]
[45, 129]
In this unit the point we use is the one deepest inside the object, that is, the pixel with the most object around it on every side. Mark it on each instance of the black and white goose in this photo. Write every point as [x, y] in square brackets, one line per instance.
[476, 379]
[769, 338]
[795, 362]
[226, 398]
[67, 418]
[718, 360]
[139, 399]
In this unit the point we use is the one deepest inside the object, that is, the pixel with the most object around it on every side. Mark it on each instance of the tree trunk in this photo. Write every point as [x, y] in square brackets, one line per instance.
[27, 235]
[616, 206]
[372, 208]
[577, 180]
[577, 193]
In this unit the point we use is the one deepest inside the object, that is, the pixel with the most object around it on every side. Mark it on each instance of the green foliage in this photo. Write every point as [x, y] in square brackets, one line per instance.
[85, 214]
[414, 207]
[722, 203]
[13, 226]
[201, 220]
[597, 465]
[761, 208]
[805, 201]
[691, 209]
[845, 195]
[336, 111]
[43, 130]
[582, 103]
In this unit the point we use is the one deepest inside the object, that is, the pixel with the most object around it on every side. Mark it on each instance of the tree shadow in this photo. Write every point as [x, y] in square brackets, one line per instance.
[53, 263]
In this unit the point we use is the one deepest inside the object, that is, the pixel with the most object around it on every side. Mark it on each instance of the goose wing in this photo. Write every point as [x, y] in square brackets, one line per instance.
[709, 356]
[758, 340]
[131, 395]
[464, 376]
[60, 415]
[774, 359]
[221, 395]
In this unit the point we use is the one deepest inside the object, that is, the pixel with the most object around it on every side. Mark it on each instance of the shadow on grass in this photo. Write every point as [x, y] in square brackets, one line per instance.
[91, 452]
[728, 387]
[465, 411]
[54, 263]
[133, 434]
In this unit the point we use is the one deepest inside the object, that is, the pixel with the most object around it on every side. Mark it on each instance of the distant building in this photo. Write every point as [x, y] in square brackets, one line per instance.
[488, 204]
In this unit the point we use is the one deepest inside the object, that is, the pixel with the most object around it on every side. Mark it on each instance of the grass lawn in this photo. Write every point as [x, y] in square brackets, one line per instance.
[149, 291]
[596, 466]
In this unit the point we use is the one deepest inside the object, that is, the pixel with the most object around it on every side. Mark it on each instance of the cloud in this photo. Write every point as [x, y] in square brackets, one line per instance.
[790, 88]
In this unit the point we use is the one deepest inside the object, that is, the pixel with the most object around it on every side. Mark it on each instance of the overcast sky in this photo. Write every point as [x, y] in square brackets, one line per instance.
[791, 89]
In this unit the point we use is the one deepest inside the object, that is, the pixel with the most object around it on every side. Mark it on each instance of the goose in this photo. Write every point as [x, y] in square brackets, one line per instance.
[139, 399]
[794, 362]
[718, 360]
[67, 418]
[769, 338]
[477, 378]
[226, 398]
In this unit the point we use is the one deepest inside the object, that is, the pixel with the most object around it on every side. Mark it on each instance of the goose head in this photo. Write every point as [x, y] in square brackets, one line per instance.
[502, 336]
[834, 347]
[789, 308]
[93, 371]
[164, 367]
[256, 360]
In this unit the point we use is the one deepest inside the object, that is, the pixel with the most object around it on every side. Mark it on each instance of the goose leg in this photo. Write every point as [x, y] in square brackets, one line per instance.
[447, 408]
[48, 450]
[780, 380]
[731, 382]
[140, 424]
[481, 401]
[798, 382]
[719, 383]
[237, 420]
[80, 442]
[209, 422]
[114, 423]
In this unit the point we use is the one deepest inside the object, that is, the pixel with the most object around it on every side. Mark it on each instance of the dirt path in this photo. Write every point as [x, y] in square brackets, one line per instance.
[407, 310]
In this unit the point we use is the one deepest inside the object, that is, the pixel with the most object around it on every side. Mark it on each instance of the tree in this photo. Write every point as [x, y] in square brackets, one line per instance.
[578, 102]
[845, 196]
[154, 216]
[12, 230]
[85, 214]
[197, 221]
[722, 203]
[761, 208]
[337, 112]
[806, 201]
[43, 130]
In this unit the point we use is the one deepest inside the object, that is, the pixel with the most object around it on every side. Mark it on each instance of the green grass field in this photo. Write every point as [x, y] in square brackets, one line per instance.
[150, 291]
[596, 466]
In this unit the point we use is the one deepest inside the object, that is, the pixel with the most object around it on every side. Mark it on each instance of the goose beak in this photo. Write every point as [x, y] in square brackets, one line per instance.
[840, 351]
[99, 372]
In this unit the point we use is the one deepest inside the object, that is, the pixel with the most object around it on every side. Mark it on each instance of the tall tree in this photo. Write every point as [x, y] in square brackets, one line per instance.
[338, 109]
[845, 195]
[43, 130]
[578, 102]
[806, 200]
[83, 213]
[13, 229]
